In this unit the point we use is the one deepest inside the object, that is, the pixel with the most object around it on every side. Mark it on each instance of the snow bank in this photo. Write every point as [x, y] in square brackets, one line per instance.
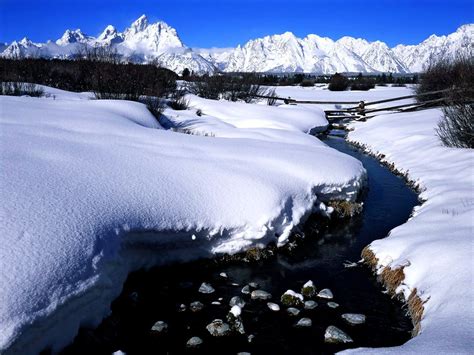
[92, 190]
[436, 244]
[283, 123]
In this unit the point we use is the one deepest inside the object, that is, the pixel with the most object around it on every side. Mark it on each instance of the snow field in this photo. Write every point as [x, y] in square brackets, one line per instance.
[92, 190]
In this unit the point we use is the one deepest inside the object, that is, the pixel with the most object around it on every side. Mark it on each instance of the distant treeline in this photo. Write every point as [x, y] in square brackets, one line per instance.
[308, 79]
[107, 79]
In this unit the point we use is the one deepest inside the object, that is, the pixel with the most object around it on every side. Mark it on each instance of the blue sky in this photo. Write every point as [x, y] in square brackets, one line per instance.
[227, 23]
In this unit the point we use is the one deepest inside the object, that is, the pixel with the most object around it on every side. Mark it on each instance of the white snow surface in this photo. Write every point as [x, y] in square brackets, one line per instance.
[436, 244]
[92, 190]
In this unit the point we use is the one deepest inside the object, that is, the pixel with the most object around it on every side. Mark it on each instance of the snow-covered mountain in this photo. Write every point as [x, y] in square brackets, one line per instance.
[376, 54]
[287, 53]
[416, 57]
[145, 42]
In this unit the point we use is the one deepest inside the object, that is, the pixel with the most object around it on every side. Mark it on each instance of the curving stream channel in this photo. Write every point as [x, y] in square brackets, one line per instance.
[156, 295]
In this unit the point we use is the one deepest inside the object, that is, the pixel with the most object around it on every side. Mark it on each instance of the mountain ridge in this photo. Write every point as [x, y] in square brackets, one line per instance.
[146, 42]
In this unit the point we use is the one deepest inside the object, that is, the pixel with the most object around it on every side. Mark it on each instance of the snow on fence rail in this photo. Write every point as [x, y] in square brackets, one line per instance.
[361, 110]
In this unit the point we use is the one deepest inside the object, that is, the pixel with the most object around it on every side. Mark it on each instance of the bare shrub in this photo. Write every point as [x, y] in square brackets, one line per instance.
[209, 87]
[104, 54]
[457, 77]
[179, 104]
[178, 100]
[338, 83]
[21, 89]
[443, 72]
[272, 100]
[457, 127]
[244, 87]
[362, 83]
[155, 105]
[307, 83]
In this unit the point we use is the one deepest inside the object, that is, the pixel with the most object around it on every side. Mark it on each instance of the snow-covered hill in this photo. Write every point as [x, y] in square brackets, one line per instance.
[145, 42]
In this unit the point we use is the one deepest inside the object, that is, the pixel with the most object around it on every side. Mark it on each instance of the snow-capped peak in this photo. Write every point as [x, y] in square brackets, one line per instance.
[73, 36]
[25, 42]
[109, 31]
[150, 39]
[110, 36]
[138, 25]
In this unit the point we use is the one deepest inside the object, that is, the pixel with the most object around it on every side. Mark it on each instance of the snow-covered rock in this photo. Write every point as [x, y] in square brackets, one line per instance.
[246, 290]
[354, 318]
[291, 298]
[260, 295]
[325, 293]
[308, 289]
[159, 327]
[292, 311]
[304, 323]
[206, 288]
[310, 304]
[237, 301]
[273, 306]
[218, 328]
[194, 342]
[335, 335]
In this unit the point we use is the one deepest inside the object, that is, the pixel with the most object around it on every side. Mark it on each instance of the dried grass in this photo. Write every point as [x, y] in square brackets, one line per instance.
[415, 308]
[391, 279]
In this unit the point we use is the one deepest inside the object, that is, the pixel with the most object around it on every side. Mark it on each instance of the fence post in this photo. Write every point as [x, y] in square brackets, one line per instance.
[361, 108]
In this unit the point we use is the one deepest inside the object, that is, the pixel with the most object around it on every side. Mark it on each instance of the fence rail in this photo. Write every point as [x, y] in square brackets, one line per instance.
[361, 109]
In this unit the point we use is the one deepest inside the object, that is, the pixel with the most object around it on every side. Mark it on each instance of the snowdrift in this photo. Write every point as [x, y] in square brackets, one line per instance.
[92, 190]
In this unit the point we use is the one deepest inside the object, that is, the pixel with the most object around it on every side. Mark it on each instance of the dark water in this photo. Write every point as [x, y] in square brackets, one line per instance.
[155, 295]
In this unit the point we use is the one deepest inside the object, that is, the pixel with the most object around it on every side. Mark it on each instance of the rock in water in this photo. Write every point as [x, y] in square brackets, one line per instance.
[293, 311]
[206, 288]
[354, 318]
[159, 327]
[194, 342]
[250, 338]
[236, 311]
[304, 323]
[333, 304]
[326, 293]
[235, 321]
[254, 285]
[237, 301]
[310, 305]
[223, 275]
[273, 306]
[335, 336]
[218, 328]
[196, 306]
[291, 298]
[182, 308]
[260, 295]
[308, 289]
[246, 290]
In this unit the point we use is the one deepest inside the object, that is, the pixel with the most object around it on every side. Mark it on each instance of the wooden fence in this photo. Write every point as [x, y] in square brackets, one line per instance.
[363, 107]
